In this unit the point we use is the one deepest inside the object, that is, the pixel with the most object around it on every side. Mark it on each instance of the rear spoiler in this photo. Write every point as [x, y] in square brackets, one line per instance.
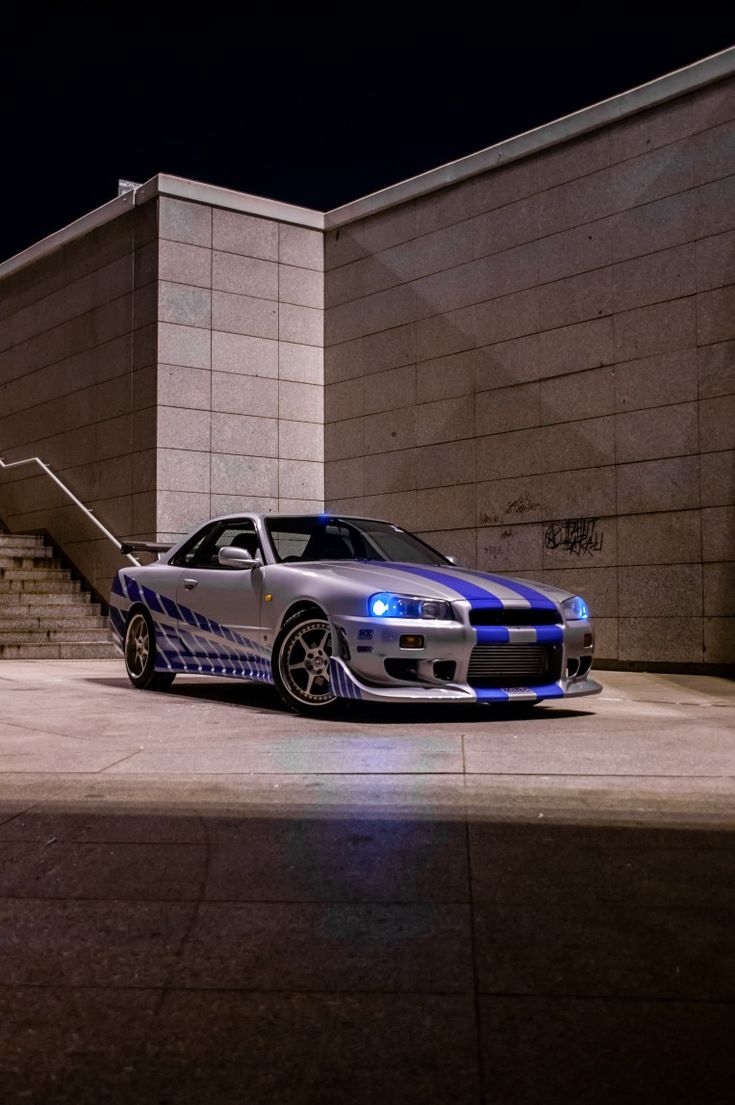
[145, 546]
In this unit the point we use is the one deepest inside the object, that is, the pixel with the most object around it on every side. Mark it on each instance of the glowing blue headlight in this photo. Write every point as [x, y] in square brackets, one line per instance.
[575, 610]
[380, 605]
[387, 605]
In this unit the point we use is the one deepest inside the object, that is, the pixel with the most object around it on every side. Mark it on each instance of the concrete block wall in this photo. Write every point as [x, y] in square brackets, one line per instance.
[239, 374]
[77, 346]
[535, 368]
[168, 366]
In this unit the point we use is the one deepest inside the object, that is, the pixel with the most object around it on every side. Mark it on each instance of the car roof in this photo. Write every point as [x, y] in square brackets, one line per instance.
[326, 514]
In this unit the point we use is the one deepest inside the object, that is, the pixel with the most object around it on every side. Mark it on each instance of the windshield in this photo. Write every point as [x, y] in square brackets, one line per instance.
[332, 538]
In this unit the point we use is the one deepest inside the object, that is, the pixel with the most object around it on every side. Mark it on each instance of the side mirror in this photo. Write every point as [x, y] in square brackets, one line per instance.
[232, 557]
[452, 559]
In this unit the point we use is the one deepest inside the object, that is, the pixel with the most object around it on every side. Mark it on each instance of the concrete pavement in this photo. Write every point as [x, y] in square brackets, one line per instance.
[206, 899]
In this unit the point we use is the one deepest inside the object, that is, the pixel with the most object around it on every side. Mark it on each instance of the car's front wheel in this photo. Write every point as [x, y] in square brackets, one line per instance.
[139, 649]
[302, 665]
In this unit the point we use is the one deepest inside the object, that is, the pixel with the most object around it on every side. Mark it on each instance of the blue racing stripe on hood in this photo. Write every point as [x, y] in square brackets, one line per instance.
[463, 587]
[536, 598]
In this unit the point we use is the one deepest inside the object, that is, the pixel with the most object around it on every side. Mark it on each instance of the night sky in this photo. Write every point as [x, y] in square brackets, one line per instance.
[274, 109]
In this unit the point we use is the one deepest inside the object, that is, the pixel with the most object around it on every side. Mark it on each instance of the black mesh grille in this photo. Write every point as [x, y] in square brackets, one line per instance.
[509, 665]
[515, 616]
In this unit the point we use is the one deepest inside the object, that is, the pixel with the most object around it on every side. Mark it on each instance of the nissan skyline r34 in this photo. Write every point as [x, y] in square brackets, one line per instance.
[329, 607]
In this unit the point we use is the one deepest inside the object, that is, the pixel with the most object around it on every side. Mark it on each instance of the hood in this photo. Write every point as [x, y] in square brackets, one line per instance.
[438, 582]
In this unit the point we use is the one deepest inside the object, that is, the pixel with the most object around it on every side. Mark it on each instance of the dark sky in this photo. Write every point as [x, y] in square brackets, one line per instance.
[277, 108]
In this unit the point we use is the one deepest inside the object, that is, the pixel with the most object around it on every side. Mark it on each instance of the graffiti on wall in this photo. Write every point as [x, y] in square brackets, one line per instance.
[577, 536]
[494, 551]
[524, 504]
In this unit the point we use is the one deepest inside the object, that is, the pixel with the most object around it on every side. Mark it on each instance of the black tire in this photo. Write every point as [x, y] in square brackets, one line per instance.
[304, 646]
[139, 650]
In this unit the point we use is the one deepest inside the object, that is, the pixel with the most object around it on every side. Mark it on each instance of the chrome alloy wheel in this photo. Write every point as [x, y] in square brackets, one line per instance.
[304, 662]
[139, 650]
[137, 646]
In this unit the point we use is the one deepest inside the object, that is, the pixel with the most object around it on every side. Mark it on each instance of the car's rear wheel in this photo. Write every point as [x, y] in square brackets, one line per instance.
[302, 669]
[139, 649]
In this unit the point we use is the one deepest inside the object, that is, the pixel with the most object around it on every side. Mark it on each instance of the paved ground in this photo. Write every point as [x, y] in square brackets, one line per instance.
[206, 900]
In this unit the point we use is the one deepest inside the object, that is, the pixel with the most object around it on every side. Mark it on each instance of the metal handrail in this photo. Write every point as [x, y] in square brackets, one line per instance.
[74, 499]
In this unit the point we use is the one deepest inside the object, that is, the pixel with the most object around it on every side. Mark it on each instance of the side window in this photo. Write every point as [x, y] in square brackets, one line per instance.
[188, 554]
[204, 550]
[240, 534]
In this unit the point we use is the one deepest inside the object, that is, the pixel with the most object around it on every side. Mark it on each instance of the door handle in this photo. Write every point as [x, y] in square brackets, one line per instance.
[190, 584]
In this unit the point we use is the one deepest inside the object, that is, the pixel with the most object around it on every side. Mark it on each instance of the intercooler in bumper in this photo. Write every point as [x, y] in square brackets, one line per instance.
[514, 665]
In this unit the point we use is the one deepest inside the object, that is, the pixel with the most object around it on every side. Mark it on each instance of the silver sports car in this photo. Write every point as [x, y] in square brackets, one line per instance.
[329, 607]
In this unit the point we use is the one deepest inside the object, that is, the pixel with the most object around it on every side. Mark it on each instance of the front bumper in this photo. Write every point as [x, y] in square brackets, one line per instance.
[346, 685]
[365, 651]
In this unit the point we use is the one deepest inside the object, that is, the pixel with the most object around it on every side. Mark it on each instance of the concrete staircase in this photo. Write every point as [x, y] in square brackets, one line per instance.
[44, 614]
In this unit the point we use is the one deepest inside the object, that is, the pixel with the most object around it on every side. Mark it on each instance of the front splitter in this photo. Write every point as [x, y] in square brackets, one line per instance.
[347, 685]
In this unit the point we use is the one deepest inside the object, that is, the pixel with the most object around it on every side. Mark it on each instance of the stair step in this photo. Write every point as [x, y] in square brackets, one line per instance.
[26, 560]
[58, 636]
[27, 550]
[12, 601]
[54, 614]
[27, 624]
[15, 540]
[8, 574]
[41, 552]
[38, 587]
[76, 651]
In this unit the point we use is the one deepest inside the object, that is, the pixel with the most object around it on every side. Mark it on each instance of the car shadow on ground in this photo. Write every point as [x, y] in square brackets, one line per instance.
[252, 696]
